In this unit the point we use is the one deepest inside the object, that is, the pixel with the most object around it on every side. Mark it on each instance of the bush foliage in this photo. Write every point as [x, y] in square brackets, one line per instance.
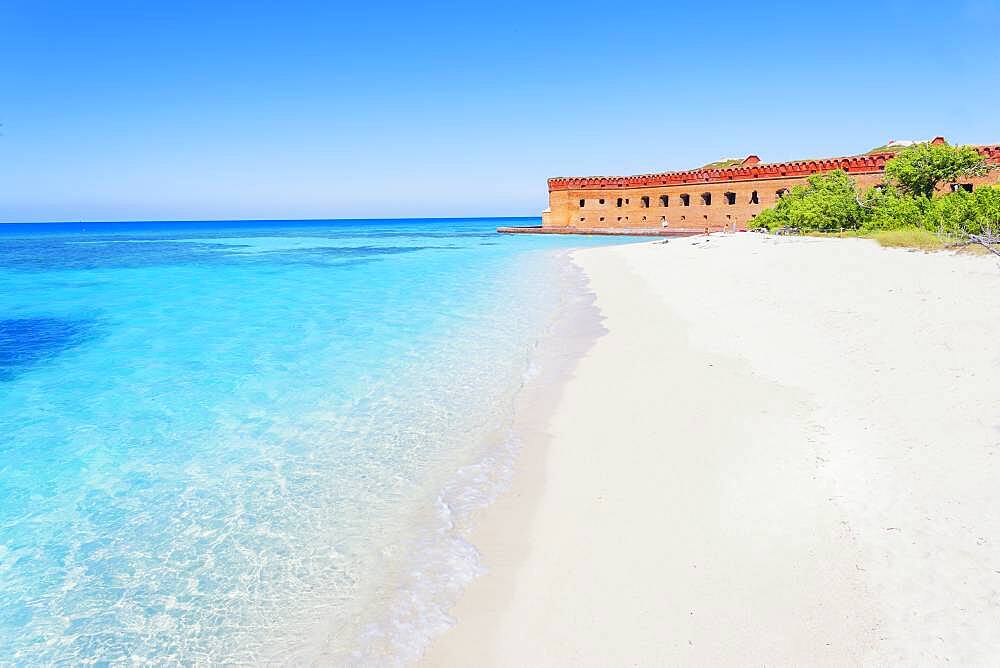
[831, 202]
[964, 212]
[828, 202]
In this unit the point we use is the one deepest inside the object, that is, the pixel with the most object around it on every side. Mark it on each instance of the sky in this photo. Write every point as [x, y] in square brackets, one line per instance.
[150, 110]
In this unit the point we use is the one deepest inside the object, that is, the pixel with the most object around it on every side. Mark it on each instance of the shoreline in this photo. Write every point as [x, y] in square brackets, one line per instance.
[496, 530]
[736, 522]
[408, 608]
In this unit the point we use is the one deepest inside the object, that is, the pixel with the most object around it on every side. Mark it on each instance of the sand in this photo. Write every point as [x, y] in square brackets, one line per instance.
[781, 451]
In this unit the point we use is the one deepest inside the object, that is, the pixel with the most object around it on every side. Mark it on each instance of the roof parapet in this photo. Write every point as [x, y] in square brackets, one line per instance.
[751, 168]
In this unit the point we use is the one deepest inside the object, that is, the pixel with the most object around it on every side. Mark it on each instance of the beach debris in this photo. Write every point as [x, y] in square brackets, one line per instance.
[989, 239]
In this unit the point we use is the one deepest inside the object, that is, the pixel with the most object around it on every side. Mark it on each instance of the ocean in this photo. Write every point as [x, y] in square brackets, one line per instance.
[248, 442]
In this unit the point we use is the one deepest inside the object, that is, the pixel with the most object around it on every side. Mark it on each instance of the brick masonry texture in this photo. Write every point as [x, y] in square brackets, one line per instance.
[716, 199]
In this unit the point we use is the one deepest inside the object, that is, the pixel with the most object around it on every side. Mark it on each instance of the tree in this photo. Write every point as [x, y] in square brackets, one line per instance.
[919, 169]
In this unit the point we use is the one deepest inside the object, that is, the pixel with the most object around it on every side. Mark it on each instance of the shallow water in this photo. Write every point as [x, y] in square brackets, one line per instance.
[232, 442]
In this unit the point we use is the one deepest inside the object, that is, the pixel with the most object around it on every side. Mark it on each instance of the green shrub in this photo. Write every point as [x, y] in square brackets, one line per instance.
[769, 219]
[988, 207]
[964, 212]
[886, 208]
[828, 202]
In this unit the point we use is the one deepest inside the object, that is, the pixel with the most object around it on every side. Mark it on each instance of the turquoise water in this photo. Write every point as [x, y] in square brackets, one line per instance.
[246, 442]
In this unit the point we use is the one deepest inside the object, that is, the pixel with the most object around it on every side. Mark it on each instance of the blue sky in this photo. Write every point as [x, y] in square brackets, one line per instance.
[220, 110]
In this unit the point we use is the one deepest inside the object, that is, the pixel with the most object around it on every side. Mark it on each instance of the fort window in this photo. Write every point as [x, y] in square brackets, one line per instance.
[730, 198]
[602, 219]
[781, 193]
[753, 198]
[582, 203]
[685, 200]
[619, 202]
[664, 200]
[959, 187]
[645, 201]
[706, 198]
[601, 201]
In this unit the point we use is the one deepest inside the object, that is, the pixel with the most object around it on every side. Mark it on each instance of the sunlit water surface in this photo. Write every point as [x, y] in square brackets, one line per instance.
[247, 442]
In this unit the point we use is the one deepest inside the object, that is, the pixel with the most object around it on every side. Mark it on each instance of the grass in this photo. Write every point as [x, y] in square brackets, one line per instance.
[915, 238]
[843, 234]
[910, 237]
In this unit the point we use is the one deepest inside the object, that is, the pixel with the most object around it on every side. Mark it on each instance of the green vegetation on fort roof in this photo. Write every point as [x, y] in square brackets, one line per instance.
[902, 211]
[722, 164]
[884, 149]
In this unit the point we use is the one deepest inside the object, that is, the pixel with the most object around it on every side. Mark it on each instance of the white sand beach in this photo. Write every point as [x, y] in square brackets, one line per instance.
[782, 451]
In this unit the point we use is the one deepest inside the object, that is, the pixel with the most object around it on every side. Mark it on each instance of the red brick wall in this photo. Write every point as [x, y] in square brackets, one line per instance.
[624, 204]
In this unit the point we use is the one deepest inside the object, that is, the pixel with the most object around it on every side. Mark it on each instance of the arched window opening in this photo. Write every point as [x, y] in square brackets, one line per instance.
[645, 201]
[959, 187]
[753, 198]
[583, 202]
[730, 198]
[619, 202]
[706, 199]
[685, 200]
[781, 193]
[664, 200]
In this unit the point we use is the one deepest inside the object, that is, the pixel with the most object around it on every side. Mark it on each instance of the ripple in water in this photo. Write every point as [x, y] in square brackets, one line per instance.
[235, 444]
